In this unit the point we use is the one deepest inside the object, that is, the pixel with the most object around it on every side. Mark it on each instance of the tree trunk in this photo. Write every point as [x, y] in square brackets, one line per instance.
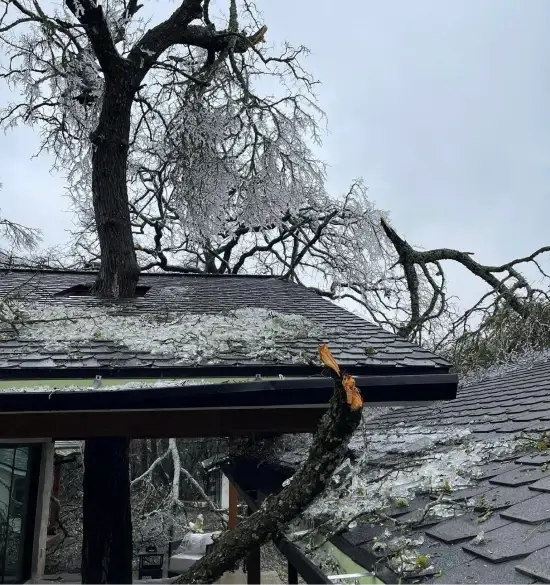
[119, 271]
[107, 522]
[106, 512]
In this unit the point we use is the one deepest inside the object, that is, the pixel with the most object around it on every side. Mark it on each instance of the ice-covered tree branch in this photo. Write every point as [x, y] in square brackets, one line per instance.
[18, 236]
[326, 453]
[147, 473]
[509, 291]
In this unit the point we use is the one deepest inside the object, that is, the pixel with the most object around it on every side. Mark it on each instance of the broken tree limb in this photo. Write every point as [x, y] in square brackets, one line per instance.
[326, 454]
[411, 259]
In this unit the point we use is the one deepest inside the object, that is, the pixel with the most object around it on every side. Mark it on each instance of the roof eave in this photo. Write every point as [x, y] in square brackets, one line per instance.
[309, 392]
[209, 371]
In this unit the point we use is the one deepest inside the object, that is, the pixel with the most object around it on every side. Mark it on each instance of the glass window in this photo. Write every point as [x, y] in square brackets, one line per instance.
[15, 481]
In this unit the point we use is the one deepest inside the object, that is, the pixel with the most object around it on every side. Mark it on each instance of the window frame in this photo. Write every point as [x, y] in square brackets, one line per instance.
[28, 517]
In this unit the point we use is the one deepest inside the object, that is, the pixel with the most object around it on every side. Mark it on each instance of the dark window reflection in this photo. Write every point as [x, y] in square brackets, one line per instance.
[14, 490]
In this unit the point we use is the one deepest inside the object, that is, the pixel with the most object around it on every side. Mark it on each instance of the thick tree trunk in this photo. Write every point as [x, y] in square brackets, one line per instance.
[107, 521]
[119, 272]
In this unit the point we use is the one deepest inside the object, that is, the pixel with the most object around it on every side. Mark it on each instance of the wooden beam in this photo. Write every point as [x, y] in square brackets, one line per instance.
[159, 423]
[233, 500]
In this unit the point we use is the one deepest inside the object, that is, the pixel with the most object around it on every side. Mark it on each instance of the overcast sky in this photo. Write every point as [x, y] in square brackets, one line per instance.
[442, 107]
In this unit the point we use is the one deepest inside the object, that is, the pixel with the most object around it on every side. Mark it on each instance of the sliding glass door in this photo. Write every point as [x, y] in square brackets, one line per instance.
[18, 479]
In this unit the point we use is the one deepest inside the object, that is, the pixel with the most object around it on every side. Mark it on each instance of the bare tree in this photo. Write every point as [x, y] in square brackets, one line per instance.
[509, 289]
[118, 103]
[113, 100]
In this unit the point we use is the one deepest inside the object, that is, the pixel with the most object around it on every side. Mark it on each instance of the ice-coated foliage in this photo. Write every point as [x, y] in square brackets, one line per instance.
[223, 172]
[16, 237]
[504, 339]
[214, 142]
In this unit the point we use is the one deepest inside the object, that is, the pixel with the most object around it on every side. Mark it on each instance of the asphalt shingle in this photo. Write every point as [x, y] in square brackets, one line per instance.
[464, 527]
[478, 571]
[523, 475]
[531, 511]
[502, 523]
[353, 340]
[537, 565]
[512, 541]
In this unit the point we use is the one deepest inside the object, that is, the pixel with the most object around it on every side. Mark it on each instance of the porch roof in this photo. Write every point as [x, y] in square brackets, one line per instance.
[187, 409]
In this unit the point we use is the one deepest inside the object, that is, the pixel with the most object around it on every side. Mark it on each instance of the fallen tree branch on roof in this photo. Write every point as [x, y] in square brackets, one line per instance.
[325, 455]
[508, 287]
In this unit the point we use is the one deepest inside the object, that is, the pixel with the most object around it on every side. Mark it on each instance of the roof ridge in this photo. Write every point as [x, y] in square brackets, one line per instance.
[159, 274]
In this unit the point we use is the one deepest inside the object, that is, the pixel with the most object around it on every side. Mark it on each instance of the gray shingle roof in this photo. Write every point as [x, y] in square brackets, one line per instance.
[508, 502]
[354, 341]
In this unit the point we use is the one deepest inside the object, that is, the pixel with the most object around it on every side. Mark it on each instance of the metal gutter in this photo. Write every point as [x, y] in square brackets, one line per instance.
[209, 371]
[349, 567]
[368, 560]
[269, 393]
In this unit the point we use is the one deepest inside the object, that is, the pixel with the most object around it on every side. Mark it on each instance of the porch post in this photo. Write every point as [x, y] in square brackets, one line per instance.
[253, 559]
[233, 496]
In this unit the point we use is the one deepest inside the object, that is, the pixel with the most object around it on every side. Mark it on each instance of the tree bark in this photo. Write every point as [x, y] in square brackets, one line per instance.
[106, 512]
[119, 271]
[327, 452]
[107, 522]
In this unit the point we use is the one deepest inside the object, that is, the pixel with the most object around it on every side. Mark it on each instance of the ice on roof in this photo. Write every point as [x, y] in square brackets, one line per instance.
[398, 463]
[198, 338]
[524, 360]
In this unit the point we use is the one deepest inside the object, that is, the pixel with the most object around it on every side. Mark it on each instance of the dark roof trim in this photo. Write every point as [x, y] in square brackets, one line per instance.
[209, 371]
[258, 394]
[223, 395]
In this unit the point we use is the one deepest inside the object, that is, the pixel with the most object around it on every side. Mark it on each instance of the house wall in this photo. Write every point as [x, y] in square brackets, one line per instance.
[224, 498]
